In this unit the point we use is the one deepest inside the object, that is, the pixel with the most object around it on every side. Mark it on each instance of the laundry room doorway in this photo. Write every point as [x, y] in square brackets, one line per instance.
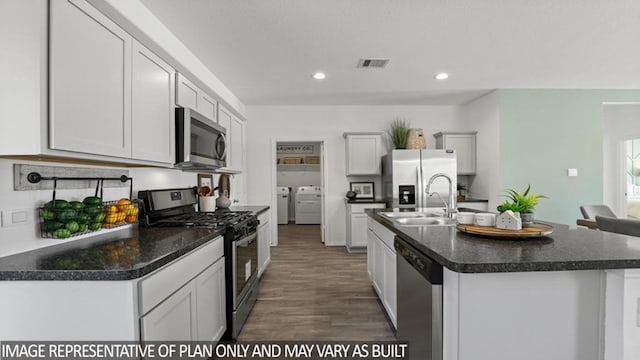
[299, 175]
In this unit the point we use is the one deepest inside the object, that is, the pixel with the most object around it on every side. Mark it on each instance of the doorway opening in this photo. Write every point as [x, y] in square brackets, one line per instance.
[299, 175]
[632, 159]
[620, 128]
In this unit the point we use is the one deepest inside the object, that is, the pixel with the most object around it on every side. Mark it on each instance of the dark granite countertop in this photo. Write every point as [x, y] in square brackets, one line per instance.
[125, 254]
[255, 209]
[472, 200]
[564, 249]
[364, 201]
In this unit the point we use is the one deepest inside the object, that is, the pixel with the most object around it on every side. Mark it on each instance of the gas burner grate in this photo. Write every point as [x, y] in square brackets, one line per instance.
[209, 219]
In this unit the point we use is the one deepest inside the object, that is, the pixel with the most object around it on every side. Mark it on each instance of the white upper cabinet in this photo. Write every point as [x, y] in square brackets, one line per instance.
[237, 144]
[235, 140]
[109, 94]
[89, 90]
[186, 92]
[363, 153]
[90, 81]
[153, 123]
[464, 143]
[207, 106]
[189, 95]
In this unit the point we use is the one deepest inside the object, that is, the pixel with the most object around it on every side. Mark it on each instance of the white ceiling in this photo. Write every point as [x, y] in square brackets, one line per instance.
[266, 50]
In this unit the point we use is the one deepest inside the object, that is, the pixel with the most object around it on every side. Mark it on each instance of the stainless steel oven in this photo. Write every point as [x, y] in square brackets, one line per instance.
[200, 142]
[176, 207]
[244, 279]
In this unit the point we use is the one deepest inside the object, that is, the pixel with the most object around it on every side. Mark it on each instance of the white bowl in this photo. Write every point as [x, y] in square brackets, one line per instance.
[485, 219]
[465, 217]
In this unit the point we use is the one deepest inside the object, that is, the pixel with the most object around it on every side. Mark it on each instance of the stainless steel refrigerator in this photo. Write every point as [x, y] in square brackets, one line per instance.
[405, 174]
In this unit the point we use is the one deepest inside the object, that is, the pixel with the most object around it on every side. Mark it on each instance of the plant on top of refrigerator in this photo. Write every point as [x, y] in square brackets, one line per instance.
[398, 132]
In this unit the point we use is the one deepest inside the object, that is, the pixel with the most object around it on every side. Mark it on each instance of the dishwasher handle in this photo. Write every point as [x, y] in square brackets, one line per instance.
[428, 268]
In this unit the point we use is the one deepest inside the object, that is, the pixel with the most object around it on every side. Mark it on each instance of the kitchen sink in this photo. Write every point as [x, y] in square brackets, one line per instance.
[419, 218]
[425, 221]
[413, 214]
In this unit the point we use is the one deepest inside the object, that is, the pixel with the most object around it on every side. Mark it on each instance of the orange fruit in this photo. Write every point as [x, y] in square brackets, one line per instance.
[131, 218]
[110, 218]
[124, 204]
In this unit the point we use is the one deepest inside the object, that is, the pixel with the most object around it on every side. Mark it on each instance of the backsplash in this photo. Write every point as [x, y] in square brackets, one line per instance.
[25, 237]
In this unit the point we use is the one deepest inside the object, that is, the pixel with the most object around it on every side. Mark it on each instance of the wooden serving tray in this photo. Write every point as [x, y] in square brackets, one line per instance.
[536, 230]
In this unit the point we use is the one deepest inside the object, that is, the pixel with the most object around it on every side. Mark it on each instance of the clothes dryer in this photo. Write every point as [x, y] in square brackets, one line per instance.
[308, 205]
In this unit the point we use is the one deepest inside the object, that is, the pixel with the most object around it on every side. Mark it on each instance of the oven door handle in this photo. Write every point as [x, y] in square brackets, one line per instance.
[248, 240]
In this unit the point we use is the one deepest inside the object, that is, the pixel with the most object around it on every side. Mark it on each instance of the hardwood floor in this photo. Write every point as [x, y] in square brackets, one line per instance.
[316, 293]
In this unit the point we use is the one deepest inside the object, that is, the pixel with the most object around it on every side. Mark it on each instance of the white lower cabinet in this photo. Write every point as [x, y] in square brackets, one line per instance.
[378, 267]
[357, 225]
[381, 265]
[196, 311]
[389, 299]
[210, 303]
[264, 242]
[174, 319]
[183, 300]
[356, 235]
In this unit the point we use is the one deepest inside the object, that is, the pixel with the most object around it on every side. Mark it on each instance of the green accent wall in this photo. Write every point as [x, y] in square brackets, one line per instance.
[545, 132]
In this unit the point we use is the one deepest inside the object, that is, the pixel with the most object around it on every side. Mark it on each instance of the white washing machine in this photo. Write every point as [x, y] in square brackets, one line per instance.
[308, 205]
[283, 205]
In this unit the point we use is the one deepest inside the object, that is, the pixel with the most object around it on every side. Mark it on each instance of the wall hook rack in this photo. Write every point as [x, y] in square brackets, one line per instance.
[35, 178]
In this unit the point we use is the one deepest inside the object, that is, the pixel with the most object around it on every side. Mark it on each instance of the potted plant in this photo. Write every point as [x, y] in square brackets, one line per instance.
[398, 132]
[524, 203]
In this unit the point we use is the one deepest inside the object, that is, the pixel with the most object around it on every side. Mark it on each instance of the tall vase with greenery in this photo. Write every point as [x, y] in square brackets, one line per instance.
[398, 132]
[524, 203]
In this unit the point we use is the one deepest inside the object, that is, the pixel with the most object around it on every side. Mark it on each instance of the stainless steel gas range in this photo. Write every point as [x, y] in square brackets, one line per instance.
[176, 207]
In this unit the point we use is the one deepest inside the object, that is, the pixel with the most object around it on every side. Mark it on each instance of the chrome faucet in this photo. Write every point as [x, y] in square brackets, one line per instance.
[451, 206]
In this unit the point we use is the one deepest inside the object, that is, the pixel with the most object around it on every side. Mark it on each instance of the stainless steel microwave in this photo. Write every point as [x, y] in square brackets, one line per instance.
[201, 143]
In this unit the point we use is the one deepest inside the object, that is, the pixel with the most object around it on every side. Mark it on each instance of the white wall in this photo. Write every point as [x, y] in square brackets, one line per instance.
[620, 122]
[328, 123]
[27, 237]
[482, 115]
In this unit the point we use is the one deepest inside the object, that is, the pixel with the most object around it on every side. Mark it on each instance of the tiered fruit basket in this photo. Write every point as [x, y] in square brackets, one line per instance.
[62, 219]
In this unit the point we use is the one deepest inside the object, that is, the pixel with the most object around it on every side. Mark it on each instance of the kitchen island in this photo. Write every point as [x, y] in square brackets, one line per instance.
[570, 295]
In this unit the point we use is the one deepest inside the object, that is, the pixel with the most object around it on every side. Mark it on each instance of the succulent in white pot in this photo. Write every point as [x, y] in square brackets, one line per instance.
[523, 203]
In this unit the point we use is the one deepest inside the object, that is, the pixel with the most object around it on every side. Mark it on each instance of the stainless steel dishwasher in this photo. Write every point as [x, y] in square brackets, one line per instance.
[419, 302]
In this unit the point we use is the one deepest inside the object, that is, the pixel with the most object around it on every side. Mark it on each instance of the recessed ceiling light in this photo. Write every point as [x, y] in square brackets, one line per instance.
[441, 76]
[319, 76]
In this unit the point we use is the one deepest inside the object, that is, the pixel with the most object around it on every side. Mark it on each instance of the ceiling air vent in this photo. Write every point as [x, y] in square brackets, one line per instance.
[372, 63]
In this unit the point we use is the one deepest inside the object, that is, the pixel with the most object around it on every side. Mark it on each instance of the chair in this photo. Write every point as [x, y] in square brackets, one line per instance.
[620, 226]
[591, 211]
